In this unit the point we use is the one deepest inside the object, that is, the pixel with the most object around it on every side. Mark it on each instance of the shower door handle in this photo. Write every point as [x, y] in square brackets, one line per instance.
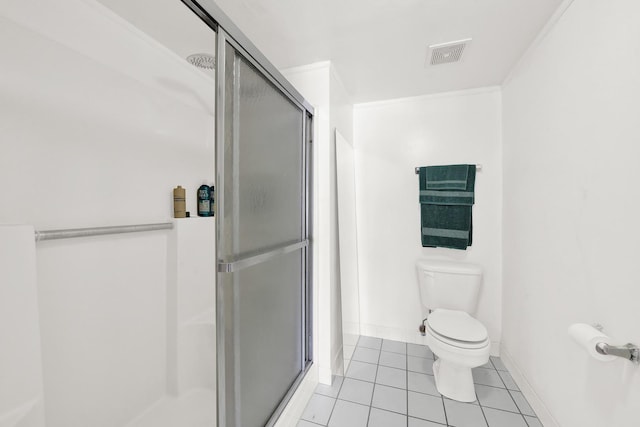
[257, 258]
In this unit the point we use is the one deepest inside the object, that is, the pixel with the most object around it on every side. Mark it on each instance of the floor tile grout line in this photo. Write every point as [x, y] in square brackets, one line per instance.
[501, 410]
[508, 412]
[407, 390]
[444, 408]
[337, 396]
[311, 422]
[375, 379]
[482, 411]
[371, 363]
[527, 422]
[516, 403]
[406, 374]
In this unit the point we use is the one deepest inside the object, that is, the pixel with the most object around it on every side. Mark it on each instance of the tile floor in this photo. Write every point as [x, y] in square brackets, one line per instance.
[390, 384]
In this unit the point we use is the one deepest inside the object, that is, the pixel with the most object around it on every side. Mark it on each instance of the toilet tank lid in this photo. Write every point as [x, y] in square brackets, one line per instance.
[445, 266]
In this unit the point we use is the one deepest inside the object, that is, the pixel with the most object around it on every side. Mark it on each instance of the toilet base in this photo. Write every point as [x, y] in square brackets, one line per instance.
[454, 381]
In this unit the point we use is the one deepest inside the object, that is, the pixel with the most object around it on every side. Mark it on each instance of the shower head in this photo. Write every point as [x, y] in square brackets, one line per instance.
[202, 60]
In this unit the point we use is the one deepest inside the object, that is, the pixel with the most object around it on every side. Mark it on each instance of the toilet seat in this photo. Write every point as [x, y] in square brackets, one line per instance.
[457, 328]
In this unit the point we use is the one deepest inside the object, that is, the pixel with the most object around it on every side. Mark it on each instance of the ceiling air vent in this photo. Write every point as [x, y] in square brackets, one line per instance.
[445, 53]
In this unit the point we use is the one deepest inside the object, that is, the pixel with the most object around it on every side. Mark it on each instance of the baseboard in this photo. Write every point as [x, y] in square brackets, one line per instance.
[396, 334]
[407, 335]
[294, 409]
[536, 403]
[324, 375]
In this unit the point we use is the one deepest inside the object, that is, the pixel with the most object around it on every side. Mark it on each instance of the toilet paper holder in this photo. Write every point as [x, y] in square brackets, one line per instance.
[628, 351]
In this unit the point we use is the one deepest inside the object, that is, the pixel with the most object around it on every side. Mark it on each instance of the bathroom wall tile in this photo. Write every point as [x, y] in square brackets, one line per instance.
[493, 397]
[522, 403]
[497, 418]
[318, 409]
[419, 351]
[356, 391]
[464, 414]
[508, 380]
[362, 371]
[348, 414]
[364, 354]
[390, 398]
[422, 383]
[392, 377]
[370, 342]
[426, 407]
[497, 363]
[381, 418]
[416, 422]
[487, 377]
[533, 421]
[330, 390]
[394, 360]
[420, 364]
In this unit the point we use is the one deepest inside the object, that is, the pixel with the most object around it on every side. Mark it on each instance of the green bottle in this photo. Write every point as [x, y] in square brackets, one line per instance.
[212, 200]
[204, 201]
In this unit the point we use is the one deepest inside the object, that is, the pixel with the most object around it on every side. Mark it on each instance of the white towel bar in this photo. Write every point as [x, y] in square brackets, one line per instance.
[99, 231]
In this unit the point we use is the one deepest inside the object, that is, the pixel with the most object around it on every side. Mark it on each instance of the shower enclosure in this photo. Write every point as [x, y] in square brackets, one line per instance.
[190, 322]
[263, 137]
[263, 244]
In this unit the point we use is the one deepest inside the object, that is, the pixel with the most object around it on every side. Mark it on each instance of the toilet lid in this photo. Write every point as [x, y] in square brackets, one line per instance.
[457, 325]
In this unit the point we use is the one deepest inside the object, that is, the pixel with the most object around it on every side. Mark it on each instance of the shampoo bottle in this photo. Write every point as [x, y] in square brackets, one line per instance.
[204, 201]
[179, 202]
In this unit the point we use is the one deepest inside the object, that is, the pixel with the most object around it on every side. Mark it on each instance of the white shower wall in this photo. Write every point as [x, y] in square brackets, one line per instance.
[571, 207]
[98, 123]
[391, 139]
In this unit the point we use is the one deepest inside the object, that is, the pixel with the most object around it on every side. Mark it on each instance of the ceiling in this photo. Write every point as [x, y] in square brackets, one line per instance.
[378, 47]
[170, 23]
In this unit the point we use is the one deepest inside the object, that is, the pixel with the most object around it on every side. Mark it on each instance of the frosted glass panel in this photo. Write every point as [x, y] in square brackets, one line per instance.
[262, 287]
[269, 333]
[263, 161]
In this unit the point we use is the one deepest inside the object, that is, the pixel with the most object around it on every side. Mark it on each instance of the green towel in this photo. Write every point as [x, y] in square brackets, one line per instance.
[453, 177]
[446, 226]
[446, 214]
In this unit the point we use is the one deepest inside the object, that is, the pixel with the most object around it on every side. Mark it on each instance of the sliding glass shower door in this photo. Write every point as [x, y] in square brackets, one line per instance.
[263, 247]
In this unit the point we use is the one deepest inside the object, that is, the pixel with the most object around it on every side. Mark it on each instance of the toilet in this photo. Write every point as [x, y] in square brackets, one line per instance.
[449, 295]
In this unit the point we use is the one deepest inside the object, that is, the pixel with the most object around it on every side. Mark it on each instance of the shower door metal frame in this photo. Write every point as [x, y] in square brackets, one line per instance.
[228, 266]
[227, 32]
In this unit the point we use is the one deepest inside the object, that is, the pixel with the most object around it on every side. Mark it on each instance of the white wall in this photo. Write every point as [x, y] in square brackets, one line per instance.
[348, 245]
[312, 82]
[320, 84]
[341, 120]
[571, 151]
[98, 123]
[391, 139]
[21, 383]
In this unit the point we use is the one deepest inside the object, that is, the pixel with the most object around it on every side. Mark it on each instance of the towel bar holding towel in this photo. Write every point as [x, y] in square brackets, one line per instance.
[478, 168]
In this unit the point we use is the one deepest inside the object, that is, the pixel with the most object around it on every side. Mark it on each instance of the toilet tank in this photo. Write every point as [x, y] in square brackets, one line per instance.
[449, 284]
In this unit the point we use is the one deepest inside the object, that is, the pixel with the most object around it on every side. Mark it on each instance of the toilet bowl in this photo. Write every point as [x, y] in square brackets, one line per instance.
[449, 292]
[460, 343]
